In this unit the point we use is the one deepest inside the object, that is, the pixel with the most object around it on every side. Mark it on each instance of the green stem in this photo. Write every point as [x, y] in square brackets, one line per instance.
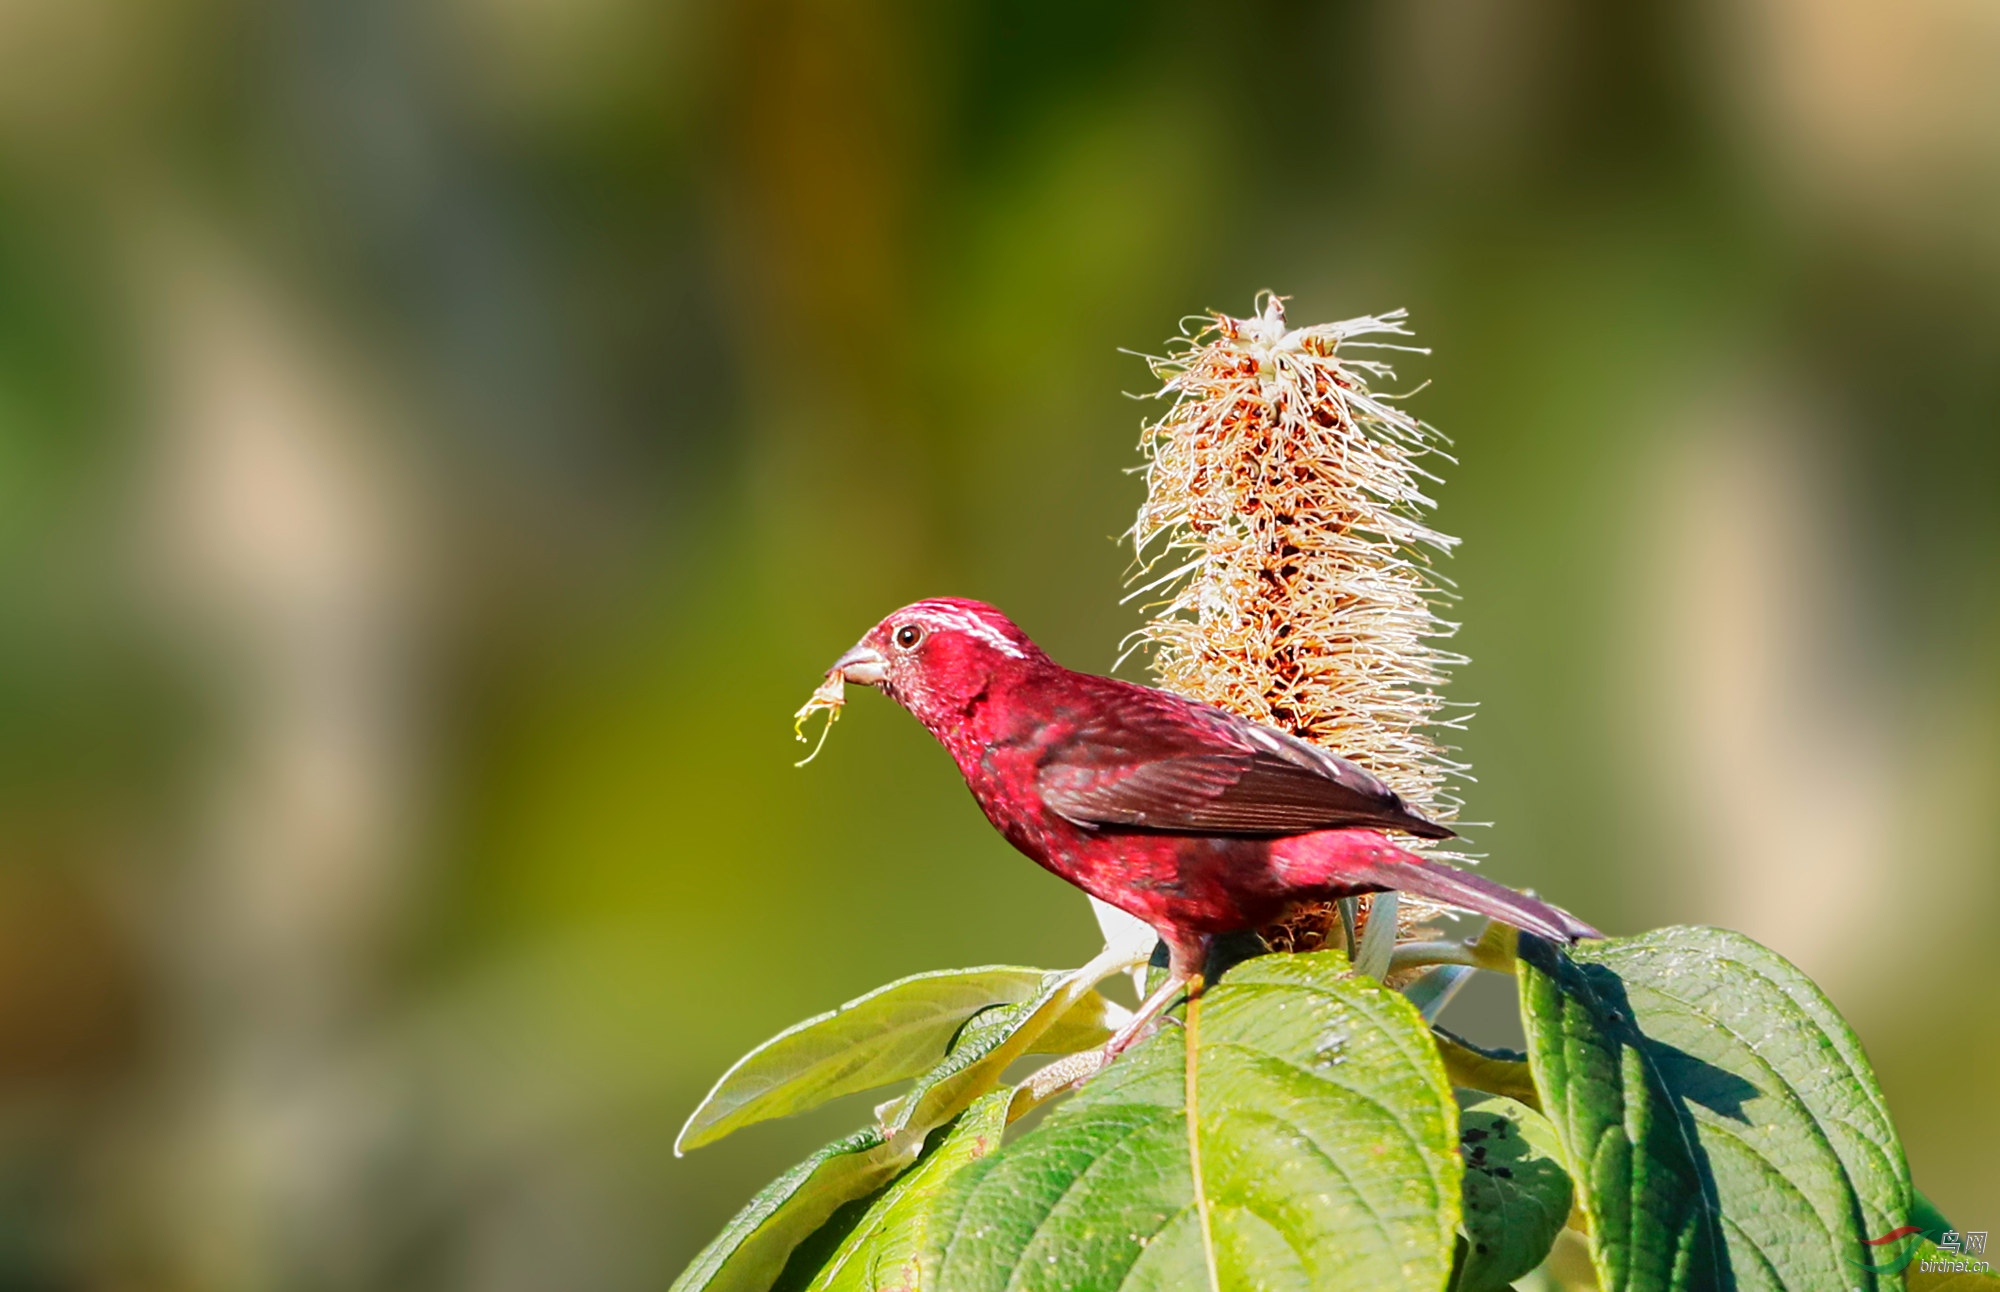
[1417, 955]
[1494, 954]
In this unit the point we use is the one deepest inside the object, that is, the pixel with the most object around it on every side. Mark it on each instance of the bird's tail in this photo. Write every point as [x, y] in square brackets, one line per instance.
[1455, 887]
[1362, 862]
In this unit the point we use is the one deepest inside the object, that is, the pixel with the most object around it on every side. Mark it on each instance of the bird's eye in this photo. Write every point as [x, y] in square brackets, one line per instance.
[908, 636]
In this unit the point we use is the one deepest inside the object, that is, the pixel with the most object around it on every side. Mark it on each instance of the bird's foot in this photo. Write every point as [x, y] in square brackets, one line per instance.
[1102, 1058]
[1128, 1037]
[1147, 1021]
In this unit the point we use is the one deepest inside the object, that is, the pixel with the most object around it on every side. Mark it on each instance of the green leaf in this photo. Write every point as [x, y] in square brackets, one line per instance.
[1066, 1015]
[1720, 1120]
[1328, 1141]
[751, 1250]
[1943, 1276]
[891, 1034]
[1497, 1072]
[1924, 1213]
[882, 1250]
[1517, 1195]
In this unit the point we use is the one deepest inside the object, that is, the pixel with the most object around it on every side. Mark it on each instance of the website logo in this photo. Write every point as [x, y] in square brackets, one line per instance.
[1956, 1253]
[1900, 1260]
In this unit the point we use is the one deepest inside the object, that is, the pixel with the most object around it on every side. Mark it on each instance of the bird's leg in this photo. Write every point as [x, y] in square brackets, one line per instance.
[1187, 959]
[1141, 1023]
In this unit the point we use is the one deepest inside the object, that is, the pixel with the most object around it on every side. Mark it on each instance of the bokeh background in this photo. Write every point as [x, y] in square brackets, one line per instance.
[441, 441]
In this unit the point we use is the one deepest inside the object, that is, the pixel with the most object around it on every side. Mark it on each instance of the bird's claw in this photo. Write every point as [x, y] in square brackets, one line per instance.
[1124, 1041]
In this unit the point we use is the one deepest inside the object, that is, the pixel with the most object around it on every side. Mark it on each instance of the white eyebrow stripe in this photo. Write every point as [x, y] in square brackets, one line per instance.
[968, 622]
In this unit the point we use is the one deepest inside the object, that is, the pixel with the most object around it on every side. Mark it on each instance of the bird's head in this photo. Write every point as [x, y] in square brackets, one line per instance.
[935, 658]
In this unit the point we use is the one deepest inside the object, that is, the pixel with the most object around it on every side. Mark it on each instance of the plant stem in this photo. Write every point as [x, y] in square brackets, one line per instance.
[1349, 908]
[1417, 955]
[1482, 954]
[1378, 939]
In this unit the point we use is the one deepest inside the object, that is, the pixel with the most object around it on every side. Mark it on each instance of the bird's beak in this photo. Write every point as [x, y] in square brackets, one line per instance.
[863, 666]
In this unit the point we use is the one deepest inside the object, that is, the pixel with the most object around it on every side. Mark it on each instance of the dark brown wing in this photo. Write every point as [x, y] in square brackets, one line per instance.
[1152, 761]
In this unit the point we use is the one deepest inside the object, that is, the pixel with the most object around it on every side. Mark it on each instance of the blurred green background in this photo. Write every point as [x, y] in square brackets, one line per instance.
[441, 442]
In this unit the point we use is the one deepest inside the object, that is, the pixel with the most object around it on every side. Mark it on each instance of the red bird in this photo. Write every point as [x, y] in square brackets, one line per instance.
[1190, 818]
